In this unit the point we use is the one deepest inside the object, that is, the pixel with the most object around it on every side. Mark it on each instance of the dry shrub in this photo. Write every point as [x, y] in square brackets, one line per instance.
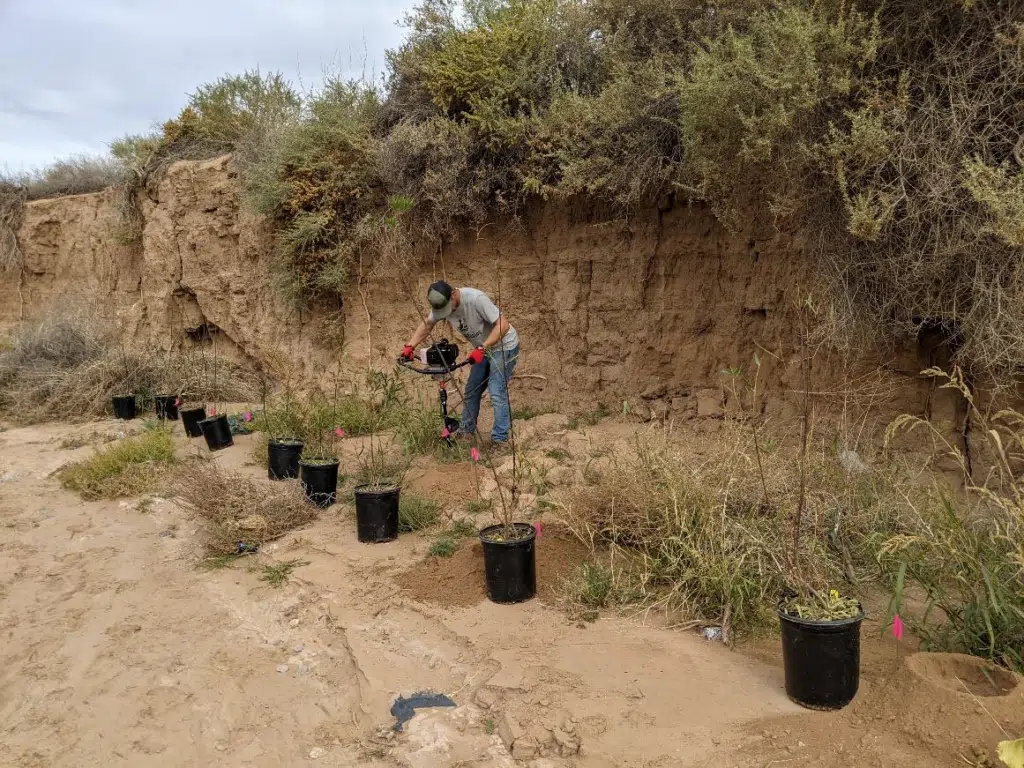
[12, 207]
[68, 367]
[73, 175]
[129, 468]
[236, 509]
[703, 537]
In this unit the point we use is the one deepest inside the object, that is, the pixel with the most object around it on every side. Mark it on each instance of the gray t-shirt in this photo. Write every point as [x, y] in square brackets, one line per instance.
[475, 318]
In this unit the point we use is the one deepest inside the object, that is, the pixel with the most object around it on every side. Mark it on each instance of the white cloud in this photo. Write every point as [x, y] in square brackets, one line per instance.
[75, 75]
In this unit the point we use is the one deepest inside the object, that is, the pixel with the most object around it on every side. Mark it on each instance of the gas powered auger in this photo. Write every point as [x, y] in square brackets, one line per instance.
[438, 362]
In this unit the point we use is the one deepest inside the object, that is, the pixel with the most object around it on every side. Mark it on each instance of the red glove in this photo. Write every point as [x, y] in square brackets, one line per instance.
[476, 356]
[408, 352]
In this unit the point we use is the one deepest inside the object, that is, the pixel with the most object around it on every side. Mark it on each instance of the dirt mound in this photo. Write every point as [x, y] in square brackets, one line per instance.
[962, 674]
[459, 580]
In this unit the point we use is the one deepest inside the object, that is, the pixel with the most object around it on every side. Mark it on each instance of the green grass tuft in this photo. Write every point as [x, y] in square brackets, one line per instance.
[128, 468]
[416, 513]
[276, 575]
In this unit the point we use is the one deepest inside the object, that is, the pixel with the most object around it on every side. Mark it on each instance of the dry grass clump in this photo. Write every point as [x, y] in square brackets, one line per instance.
[73, 175]
[236, 510]
[133, 466]
[966, 551]
[705, 538]
[68, 366]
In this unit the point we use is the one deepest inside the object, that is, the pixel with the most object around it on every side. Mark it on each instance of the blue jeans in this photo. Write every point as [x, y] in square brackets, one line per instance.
[493, 375]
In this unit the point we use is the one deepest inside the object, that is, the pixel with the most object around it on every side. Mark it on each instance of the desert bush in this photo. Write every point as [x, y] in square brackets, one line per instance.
[74, 175]
[966, 552]
[239, 514]
[132, 466]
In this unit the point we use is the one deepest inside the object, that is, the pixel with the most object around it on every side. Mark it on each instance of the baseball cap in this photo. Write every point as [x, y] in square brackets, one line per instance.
[439, 295]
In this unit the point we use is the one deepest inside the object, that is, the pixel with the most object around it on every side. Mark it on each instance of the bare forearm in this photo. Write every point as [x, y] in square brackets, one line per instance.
[420, 333]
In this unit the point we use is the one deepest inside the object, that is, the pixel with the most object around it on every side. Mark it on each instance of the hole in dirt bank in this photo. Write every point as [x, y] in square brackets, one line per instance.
[963, 674]
[458, 581]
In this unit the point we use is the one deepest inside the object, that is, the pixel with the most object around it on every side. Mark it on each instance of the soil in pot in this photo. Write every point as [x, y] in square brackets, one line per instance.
[217, 432]
[821, 660]
[377, 512]
[320, 480]
[124, 407]
[167, 407]
[283, 458]
[190, 419]
[510, 562]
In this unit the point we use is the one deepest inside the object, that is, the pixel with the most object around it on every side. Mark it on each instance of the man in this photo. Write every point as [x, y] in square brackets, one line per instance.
[495, 351]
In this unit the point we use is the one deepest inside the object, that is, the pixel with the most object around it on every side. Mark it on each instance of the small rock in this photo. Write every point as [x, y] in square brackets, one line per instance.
[715, 740]
[486, 698]
[801, 744]
[540, 734]
[510, 731]
[316, 753]
[303, 668]
[299, 648]
[709, 403]
[567, 745]
[524, 749]
[545, 702]
[293, 623]
[282, 667]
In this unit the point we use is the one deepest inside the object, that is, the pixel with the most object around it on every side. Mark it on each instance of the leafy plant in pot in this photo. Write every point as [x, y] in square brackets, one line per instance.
[379, 492]
[509, 546]
[215, 426]
[820, 626]
[284, 448]
[318, 467]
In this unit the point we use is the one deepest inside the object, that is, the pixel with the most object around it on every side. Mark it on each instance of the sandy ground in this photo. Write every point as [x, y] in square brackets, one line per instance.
[116, 649]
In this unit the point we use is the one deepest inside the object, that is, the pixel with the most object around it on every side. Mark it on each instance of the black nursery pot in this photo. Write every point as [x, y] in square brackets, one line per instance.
[124, 407]
[283, 459]
[822, 660]
[217, 432]
[510, 565]
[377, 513]
[320, 482]
[191, 419]
[167, 407]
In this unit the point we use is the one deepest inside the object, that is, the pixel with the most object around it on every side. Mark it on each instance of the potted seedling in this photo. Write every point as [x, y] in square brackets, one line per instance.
[192, 415]
[378, 495]
[820, 627]
[215, 426]
[125, 405]
[318, 467]
[166, 405]
[283, 452]
[509, 546]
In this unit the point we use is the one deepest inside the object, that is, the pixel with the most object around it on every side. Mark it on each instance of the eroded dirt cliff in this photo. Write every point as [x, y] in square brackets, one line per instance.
[653, 310]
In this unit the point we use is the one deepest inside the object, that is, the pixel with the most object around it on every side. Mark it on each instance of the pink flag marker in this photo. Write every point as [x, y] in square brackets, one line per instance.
[177, 402]
[536, 527]
[247, 415]
[339, 432]
[474, 454]
[213, 411]
[445, 433]
[897, 627]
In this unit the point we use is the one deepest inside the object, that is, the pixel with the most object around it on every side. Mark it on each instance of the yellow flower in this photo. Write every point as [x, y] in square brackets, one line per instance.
[834, 594]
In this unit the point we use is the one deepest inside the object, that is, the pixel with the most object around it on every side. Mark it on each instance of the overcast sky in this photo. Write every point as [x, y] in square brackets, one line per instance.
[75, 74]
